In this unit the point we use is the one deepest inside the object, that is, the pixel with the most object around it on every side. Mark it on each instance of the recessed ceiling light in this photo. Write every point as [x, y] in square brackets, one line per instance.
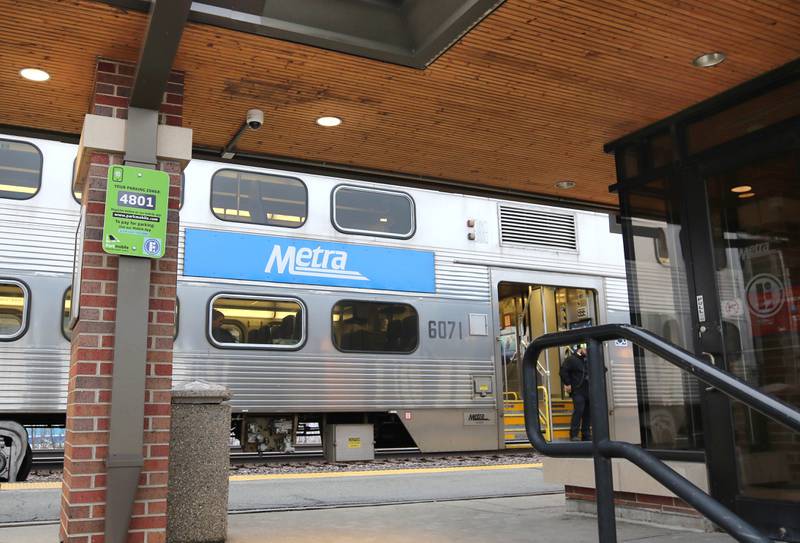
[34, 74]
[742, 188]
[747, 195]
[708, 60]
[329, 121]
[565, 184]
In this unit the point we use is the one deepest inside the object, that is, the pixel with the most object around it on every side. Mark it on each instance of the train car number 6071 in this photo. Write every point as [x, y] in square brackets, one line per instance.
[445, 330]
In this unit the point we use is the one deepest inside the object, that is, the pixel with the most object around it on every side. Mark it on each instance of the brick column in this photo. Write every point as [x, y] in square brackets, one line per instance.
[91, 366]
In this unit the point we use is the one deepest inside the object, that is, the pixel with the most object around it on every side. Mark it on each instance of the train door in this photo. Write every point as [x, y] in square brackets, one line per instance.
[528, 305]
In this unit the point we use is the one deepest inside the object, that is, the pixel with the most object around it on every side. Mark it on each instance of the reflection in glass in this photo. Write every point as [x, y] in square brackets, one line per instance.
[258, 198]
[65, 313]
[256, 322]
[375, 327]
[670, 416]
[757, 262]
[369, 211]
[12, 310]
[20, 170]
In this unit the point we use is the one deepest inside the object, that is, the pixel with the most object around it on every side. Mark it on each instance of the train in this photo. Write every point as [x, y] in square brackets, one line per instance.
[321, 300]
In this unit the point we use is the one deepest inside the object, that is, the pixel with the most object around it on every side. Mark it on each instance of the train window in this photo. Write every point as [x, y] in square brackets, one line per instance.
[20, 170]
[183, 190]
[375, 327]
[13, 310]
[661, 247]
[259, 198]
[76, 194]
[177, 317]
[256, 322]
[65, 313]
[373, 212]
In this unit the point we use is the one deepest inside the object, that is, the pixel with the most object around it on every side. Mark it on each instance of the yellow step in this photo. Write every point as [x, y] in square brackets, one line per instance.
[560, 435]
[563, 418]
[515, 420]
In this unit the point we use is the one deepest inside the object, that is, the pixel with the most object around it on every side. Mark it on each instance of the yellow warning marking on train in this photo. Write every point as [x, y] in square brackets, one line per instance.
[318, 475]
[377, 472]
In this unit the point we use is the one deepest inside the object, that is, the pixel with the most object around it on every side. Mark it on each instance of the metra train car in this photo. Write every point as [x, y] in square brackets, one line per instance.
[319, 299]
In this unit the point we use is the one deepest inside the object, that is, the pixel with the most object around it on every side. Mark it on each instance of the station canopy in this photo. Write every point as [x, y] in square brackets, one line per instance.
[512, 95]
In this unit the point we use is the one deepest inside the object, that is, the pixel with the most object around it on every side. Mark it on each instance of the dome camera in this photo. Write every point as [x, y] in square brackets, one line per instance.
[255, 118]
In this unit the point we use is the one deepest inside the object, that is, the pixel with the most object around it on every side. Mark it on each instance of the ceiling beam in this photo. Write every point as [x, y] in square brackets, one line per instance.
[165, 25]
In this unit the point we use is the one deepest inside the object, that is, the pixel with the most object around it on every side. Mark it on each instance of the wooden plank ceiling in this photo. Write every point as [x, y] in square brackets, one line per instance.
[526, 99]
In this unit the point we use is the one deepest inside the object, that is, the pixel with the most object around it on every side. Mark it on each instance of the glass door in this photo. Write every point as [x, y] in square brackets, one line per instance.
[659, 275]
[754, 218]
[713, 254]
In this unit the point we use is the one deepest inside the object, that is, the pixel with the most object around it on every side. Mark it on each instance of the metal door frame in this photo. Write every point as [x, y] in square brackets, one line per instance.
[595, 283]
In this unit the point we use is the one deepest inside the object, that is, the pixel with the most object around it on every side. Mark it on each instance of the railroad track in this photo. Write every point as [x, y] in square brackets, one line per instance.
[54, 459]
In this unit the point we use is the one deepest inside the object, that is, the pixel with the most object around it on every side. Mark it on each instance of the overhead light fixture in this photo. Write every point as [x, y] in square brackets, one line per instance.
[34, 74]
[747, 195]
[383, 219]
[329, 121]
[565, 184]
[708, 60]
[742, 188]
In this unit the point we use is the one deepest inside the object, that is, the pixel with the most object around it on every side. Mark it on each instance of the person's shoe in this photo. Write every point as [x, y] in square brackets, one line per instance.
[574, 439]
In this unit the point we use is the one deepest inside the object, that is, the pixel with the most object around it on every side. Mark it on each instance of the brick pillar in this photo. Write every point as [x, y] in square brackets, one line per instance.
[91, 366]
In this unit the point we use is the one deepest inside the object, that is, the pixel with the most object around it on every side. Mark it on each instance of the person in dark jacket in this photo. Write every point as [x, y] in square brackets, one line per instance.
[575, 376]
[217, 331]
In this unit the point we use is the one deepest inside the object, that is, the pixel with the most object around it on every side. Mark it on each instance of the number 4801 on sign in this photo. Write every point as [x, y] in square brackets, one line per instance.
[136, 212]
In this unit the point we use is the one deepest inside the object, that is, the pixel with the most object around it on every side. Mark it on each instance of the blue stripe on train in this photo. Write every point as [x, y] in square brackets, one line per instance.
[231, 255]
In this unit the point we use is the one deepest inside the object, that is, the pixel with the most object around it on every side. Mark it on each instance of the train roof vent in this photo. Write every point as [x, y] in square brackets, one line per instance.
[531, 227]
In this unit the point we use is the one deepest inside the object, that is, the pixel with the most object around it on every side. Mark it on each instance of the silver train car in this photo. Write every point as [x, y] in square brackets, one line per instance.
[323, 300]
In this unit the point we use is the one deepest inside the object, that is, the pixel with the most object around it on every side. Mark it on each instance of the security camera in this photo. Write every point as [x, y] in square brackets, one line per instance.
[255, 118]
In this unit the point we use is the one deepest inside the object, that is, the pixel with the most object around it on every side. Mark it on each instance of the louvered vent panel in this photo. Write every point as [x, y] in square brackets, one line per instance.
[37, 238]
[537, 228]
[617, 294]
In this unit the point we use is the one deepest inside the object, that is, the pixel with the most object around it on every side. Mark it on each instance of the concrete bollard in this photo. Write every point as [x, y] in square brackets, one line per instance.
[197, 500]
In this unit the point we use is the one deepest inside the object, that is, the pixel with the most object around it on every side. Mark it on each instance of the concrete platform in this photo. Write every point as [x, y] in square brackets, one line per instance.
[508, 520]
[36, 502]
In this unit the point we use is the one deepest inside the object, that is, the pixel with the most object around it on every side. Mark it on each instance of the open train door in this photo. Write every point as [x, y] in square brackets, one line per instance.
[528, 304]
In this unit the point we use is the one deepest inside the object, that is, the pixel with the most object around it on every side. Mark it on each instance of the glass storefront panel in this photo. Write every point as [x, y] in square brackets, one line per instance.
[755, 219]
[669, 399]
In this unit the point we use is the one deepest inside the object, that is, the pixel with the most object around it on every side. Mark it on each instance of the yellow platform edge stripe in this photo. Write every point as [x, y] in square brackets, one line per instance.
[378, 472]
[29, 486]
[320, 475]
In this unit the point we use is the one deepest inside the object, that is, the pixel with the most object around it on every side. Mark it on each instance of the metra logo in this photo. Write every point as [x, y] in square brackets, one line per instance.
[478, 417]
[316, 262]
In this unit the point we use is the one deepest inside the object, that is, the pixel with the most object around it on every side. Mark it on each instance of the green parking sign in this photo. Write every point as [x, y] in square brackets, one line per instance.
[136, 212]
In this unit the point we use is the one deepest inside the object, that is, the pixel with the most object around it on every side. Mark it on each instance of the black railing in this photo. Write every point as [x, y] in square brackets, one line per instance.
[602, 449]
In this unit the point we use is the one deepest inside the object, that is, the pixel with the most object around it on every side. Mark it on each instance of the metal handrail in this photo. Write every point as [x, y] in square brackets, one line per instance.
[548, 429]
[602, 449]
[542, 370]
